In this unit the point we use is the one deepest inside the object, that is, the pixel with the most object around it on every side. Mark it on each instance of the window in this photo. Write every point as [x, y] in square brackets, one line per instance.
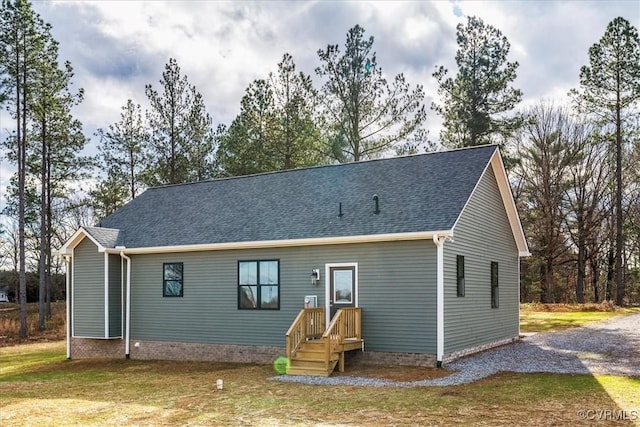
[259, 285]
[172, 279]
[460, 275]
[494, 284]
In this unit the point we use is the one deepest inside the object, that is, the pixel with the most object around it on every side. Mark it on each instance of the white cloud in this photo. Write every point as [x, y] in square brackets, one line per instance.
[117, 47]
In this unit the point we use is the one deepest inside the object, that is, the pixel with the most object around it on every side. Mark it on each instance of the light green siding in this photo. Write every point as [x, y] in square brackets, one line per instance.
[482, 235]
[115, 297]
[396, 292]
[88, 291]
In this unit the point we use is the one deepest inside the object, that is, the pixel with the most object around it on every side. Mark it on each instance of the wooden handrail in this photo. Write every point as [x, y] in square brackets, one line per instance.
[345, 324]
[309, 323]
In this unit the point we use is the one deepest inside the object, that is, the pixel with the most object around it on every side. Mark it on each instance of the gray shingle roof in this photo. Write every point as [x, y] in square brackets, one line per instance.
[416, 193]
[107, 237]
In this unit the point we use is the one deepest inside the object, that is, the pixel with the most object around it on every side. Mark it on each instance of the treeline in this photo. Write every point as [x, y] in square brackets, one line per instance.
[573, 169]
[284, 122]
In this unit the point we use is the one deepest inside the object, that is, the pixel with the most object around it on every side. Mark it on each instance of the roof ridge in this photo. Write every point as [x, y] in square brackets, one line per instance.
[283, 171]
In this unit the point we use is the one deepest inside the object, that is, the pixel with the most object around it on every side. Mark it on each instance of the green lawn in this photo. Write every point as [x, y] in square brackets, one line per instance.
[38, 386]
[532, 320]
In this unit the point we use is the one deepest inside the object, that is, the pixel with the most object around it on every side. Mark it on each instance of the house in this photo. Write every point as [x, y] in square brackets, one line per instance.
[4, 295]
[422, 251]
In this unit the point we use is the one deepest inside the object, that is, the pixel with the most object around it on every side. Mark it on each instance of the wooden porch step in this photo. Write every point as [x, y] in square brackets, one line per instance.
[309, 370]
[310, 360]
[307, 350]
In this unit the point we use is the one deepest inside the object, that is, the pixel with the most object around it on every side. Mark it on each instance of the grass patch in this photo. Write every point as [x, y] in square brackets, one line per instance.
[10, 323]
[39, 387]
[556, 317]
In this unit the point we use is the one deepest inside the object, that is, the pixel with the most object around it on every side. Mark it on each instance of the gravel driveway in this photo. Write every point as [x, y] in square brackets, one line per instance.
[610, 347]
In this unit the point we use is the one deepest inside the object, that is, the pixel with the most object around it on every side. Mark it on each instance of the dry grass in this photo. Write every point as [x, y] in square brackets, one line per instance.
[39, 387]
[601, 307]
[556, 317]
[10, 323]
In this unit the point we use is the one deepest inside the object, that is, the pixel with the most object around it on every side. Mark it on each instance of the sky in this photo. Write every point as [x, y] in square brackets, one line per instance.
[117, 47]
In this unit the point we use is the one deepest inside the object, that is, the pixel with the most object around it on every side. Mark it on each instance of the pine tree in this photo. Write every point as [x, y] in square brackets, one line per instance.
[123, 153]
[22, 37]
[181, 140]
[364, 115]
[476, 101]
[275, 129]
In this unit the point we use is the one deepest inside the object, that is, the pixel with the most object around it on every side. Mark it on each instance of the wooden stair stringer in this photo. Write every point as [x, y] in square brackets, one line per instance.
[309, 359]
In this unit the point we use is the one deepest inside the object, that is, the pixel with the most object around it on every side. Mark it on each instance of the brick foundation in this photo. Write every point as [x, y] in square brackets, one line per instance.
[450, 357]
[160, 350]
[389, 358]
[83, 348]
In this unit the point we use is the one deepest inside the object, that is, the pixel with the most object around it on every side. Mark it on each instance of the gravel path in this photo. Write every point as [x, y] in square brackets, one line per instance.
[610, 347]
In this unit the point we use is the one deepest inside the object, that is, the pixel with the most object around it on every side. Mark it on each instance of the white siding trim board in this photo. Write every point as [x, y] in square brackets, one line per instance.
[439, 242]
[73, 295]
[68, 303]
[78, 236]
[268, 244]
[106, 295]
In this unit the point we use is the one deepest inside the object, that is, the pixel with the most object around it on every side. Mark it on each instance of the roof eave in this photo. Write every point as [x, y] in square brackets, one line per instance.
[420, 235]
[74, 240]
[509, 204]
[507, 199]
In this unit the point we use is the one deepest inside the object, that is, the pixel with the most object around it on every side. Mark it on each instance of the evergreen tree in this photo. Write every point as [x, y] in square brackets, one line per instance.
[364, 115]
[610, 89]
[22, 37]
[181, 140]
[275, 129]
[47, 140]
[55, 159]
[123, 154]
[476, 101]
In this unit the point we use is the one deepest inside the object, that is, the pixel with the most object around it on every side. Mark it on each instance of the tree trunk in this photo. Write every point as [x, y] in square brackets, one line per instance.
[21, 133]
[610, 273]
[582, 261]
[48, 236]
[594, 281]
[42, 262]
[619, 236]
[546, 281]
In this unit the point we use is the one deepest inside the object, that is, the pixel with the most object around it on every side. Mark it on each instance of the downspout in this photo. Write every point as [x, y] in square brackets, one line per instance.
[68, 304]
[439, 242]
[128, 306]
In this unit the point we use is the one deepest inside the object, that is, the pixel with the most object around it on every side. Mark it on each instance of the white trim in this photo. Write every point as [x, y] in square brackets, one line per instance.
[122, 291]
[68, 304]
[106, 295]
[519, 297]
[439, 242]
[420, 235]
[507, 200]
[509, 204]
[127, 346]
[75, 239]
[97, 338]
[327, 285]
[73, 293]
